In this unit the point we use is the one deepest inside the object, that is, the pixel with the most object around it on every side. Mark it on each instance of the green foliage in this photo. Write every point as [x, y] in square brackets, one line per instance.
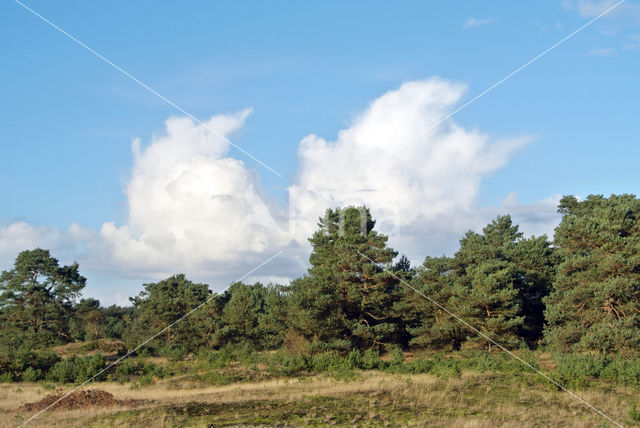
[146, 380]
[595, 302]
[88, 320]
[371, 360]
[496, 282]
[163, 303]
[174, 353]
[77, 369]
[31, 375]
[634, 413]
[578, 370]
[252, 314]
[397, 357]
[116, 320]
[36, 363]
[132, 368]
[216, 359]
[36, 301]
[345, 296]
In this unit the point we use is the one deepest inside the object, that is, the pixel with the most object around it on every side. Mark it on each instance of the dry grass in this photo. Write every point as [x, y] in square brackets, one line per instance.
[374, 399]
[106, 347]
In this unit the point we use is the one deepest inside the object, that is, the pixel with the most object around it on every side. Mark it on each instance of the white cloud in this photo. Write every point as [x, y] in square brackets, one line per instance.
[602, 52]
[477, 22]
[633, 43]
[190, 207]
[193, 209]
[65, 245]
[423, 192]
[618, 25]
[593, 8]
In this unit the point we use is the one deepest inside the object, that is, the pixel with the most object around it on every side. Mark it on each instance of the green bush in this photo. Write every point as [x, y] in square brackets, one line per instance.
[216, 359]
[175, 353]
[419, 365]
[623, 372]
[354, 360]
[326, 361]
[371, 360]
[31, 375]
[634, 413]
[131, 368]
[18, 363]
[246, 355]
[64, 371]
[576, 370]
[397, 356]
[294, 365]
[77, 369]
[146, 380]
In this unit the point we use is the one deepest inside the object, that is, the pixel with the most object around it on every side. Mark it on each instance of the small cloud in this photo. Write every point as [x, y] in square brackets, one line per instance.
[594, 8]
[477, 22]
[601, 52]
[633, 44]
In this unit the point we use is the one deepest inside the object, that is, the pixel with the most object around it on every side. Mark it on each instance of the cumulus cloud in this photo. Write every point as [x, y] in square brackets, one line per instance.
[67, 245]
[424, 191]
[192, 208]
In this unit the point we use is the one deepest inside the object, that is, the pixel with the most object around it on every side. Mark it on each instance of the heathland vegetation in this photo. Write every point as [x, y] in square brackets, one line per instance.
[569, 306]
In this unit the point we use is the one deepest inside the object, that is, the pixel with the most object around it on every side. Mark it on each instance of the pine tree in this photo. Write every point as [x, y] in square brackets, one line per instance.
[428, 325]
[595, 302]
[162, 304]
[347, 298]
[495, 282]
[36, 300]
[252, 314]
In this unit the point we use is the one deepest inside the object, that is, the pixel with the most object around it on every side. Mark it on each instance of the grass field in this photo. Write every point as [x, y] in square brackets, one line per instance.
[365, 398]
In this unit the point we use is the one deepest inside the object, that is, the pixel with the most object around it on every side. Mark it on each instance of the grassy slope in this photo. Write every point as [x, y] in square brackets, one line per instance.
[369, 399]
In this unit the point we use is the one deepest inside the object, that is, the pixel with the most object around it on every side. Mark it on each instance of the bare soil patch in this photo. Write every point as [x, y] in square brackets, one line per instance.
[79, 400]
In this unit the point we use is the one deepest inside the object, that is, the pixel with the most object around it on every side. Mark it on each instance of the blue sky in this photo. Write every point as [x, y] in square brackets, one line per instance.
[68, 119]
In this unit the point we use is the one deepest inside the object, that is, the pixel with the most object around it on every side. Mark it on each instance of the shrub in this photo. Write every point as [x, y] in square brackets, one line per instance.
[216, 378]
[64, 371]
[326, 361]
[146, 380]
[31, 375]
[354, 360]
[39, 361]
[246, 355]
[634, 413]
[175, 353]
[294, 365]
[622, 371]
[371, 360]
[419, 365]
[576, 370]
[216, 359]
[397, 357]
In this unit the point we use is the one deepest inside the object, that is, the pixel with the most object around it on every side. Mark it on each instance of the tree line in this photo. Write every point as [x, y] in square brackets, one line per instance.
[579, 292]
